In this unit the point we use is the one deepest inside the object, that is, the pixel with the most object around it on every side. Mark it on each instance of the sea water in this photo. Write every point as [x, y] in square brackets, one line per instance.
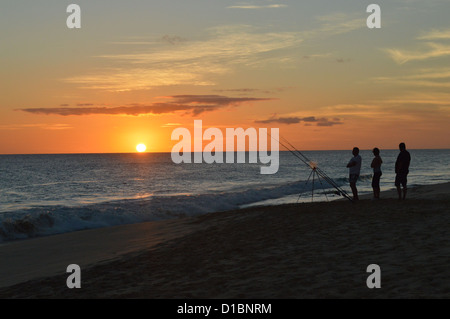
[50, 194]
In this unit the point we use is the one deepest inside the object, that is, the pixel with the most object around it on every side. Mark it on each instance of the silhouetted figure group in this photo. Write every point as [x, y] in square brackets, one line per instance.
[401, 171]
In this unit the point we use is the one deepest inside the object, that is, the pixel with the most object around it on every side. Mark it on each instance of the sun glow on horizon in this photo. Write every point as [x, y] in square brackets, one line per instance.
[141, 148]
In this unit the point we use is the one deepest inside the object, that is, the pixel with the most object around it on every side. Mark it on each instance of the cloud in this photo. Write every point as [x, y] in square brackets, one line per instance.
[215, 99]
[42, 126]
[297, 120]
[432, 49]
[269, 6]
[420, 103]
[134, 42]
[433, 78]
[328, 122]
[337, 23]
[191, 104]
[281, 120]
[157, 108]
[415, 108]
[435, 50]
[220, 51]
[172, 39]
[243, 91]
[316, 56]
[342, 60]
[196, 62]
[435, 35]
[171, 125]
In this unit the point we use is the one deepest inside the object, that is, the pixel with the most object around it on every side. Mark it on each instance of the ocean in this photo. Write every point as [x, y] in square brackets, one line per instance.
[43, 195]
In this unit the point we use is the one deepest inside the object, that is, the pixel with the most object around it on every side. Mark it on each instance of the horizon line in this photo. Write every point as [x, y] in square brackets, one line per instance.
[138, 153]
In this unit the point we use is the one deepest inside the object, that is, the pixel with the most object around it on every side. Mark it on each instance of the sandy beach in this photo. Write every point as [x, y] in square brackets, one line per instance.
[312, 250]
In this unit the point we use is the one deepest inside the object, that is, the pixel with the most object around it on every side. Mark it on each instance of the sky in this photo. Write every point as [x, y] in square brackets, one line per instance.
[138, 69]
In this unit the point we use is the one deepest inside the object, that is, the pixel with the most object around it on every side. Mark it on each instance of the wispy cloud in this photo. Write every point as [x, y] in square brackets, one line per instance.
[215, 99]
[221, 51]
[435, 35]
[430, 103]
[432, 78]
[245, 91]
[268, 6]
[171, 125]
[297, 120]
[413, 107]
[43, 126]
[190, 104]
[173, 39]
[241, 90]
[316, 56]
[434, 47]
[435, 50]
[190, 62]
[337, 23]
[342, 60]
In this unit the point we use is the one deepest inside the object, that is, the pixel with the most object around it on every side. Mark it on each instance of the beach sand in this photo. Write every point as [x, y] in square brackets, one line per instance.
[312, 250]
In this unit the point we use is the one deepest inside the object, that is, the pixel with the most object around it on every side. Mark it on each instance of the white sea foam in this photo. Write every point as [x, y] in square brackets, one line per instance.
[48, 220]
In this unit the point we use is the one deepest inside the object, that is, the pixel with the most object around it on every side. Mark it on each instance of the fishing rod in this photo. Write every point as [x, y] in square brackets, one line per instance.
[320, 172]
[318, 169]
[308, 163]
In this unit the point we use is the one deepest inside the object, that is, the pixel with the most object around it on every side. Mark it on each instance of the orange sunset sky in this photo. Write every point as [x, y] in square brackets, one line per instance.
[138, 69]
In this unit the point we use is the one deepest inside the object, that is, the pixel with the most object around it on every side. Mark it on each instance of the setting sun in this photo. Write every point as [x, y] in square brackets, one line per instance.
[141, 148]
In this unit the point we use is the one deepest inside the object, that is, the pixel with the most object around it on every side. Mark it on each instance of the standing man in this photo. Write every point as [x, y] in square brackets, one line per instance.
[376, 165]
[402, 170]
[354, 169]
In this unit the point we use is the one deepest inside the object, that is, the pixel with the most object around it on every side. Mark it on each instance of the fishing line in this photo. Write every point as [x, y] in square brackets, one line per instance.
[308, 163]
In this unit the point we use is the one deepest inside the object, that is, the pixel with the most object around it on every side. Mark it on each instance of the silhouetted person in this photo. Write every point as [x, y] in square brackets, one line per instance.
[354, 169]
[402, 170]
[376, 165]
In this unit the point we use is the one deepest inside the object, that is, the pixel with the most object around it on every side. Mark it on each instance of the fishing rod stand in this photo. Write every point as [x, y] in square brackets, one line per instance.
[314, 174]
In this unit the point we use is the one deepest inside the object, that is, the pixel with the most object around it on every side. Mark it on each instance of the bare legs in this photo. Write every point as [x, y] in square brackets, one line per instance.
[376, 184]
[399, 191]
[354, 190]
[376, 192]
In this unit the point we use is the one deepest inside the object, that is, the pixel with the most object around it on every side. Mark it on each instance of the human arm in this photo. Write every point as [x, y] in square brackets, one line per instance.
[351, 163]
[376, 162]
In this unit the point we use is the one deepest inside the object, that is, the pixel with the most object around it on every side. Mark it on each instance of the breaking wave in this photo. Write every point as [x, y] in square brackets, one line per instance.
[50, 220]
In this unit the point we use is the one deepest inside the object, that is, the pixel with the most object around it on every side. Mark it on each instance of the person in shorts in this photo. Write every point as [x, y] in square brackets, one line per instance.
[376, 165]
[354, 170]
[402, 171]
